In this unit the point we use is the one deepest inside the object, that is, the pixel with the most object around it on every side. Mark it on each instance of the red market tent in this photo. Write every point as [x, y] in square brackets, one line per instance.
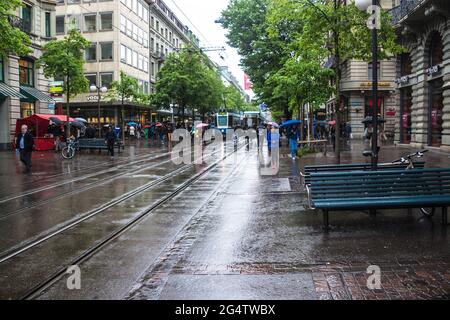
[38, 125]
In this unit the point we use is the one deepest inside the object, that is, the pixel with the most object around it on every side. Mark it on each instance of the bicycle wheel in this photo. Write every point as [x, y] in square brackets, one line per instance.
[428, 212]
[68, 152]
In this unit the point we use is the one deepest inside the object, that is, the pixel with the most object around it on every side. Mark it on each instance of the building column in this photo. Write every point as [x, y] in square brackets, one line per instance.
[419, 113]
[356, 113]
[446, 91]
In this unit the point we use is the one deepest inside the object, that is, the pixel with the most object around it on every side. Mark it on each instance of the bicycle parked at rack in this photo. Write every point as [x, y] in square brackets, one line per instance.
[409, 161]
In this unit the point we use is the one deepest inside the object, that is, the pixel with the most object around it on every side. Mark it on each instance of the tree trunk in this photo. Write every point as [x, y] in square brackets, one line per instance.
[123, 121]
[338, 88]
[68, 107]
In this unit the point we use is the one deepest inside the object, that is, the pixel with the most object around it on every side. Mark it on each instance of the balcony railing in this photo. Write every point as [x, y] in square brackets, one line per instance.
[24, 25]
[404, 9]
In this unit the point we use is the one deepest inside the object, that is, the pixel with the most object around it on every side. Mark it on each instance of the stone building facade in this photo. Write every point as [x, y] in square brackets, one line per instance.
[356, 92]
[423, 73]
[24, 90]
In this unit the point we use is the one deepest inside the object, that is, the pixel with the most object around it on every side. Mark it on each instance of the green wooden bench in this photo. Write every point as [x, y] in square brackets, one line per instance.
[97, 144]
[353, 167]
[385, 189]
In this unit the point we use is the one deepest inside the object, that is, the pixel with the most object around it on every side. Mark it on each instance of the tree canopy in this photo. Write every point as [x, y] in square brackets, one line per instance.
[12, 39]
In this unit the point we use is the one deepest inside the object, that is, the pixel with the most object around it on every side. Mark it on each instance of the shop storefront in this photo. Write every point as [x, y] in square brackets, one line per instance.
[423, 76]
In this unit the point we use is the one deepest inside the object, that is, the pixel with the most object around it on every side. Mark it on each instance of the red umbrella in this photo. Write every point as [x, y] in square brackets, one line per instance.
[159, 124]
[147, 126]
[332, 123]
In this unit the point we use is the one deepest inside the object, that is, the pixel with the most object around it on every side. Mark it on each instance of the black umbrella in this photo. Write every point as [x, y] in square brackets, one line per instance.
[56, 121]
[369, 120]
[77, 124]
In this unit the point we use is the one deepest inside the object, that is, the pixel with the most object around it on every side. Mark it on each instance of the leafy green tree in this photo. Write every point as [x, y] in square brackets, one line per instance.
[262, 56]
[65, 59]
[12, 39]
[234, 99]
[125, 89]
[185, 79]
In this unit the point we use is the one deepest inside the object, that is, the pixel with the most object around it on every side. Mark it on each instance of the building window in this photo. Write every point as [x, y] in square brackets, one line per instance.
[106, 79]
[27, 109]
[26, 18]
[60, 1]
[145, 39]
[405, 64]
[92, 78]
[60, 25]
[2, 70]
[26, 72]
[146, 87]
[129, 56]
[152, 22]
[146, 65]
[90, 23]
[91, 52]
[141, 62]
[106, 50]
[135, 32]
[48, 31]
[145, 14]
[123, 24]
[123, 53]
[129, 28]
[135, 59]
[370, 70]
[157, 26]
[152, 69]
[436, 55]
[106, 21]
[73, 1]
[73, 22]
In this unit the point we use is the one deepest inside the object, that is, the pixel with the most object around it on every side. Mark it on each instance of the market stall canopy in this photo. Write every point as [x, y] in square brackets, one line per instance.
[39, 122]
[7, 91]
[35, 95]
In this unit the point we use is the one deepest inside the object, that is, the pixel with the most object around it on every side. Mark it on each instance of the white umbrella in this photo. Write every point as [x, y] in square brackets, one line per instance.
[81, 120]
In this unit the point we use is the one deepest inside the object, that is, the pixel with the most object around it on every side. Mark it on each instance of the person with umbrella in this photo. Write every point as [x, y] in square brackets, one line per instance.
[293, 135]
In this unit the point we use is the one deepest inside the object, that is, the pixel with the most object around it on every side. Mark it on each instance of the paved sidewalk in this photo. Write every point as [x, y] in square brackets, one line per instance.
[255, 240]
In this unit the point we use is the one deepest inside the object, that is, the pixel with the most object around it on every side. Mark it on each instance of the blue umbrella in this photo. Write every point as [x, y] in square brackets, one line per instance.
[132, 123]
[291, 123]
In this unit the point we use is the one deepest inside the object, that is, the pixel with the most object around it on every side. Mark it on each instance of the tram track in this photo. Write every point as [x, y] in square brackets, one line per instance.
[94, 167]
[90, 175]
[54, 277]
[35, 240]
[91, 185]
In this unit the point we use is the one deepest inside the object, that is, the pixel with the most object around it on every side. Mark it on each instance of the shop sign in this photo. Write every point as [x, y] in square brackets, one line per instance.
[402, 80]
[433, 70]
[92, 98]
[380, 84]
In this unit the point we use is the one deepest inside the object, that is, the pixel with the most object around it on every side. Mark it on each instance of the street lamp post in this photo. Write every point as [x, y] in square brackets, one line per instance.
[99, 90]
[364, 5]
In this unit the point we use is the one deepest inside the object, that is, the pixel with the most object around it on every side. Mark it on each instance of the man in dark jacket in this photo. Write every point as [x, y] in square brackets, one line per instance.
[24, 144]
[110, 140]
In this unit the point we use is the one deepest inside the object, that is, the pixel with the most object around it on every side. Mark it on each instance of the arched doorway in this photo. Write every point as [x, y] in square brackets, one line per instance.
[436, 98]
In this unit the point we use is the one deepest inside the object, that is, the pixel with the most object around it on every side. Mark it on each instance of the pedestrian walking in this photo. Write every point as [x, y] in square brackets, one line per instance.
[110, 140]
[293, 136]
[132, 132]
[269, 138]
[24, 145]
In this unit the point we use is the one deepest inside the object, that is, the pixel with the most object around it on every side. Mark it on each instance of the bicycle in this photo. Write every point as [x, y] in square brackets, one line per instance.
[429, 212]
[68, 152]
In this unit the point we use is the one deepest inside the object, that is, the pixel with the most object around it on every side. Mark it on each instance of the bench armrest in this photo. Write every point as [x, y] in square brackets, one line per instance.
[309, 199]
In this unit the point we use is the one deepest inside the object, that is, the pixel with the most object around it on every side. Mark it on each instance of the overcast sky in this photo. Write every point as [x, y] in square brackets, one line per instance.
[202, 14]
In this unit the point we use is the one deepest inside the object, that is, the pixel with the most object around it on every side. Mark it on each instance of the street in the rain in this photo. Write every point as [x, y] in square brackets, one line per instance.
[220, 231]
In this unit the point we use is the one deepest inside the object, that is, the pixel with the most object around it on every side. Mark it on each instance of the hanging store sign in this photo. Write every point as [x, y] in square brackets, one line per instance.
[92, 98]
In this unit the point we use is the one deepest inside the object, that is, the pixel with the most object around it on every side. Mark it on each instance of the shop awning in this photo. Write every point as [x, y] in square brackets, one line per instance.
[7, 91]
[35, 94]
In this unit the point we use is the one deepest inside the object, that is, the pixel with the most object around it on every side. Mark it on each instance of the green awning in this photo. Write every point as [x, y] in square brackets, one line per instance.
[7, 91]
[34, 94]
